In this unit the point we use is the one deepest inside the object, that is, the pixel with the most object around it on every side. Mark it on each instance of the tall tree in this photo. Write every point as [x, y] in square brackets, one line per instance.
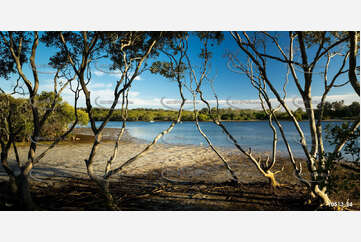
[18, 48]
[129, 52]
[312, 48]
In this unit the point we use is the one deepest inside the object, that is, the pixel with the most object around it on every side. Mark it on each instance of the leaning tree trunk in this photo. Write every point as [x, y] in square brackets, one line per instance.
[103, 184]
[12, 185]
[23, 186]
[108, 196]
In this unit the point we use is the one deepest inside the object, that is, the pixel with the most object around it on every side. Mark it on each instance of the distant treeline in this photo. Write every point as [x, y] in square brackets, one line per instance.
[335, 110]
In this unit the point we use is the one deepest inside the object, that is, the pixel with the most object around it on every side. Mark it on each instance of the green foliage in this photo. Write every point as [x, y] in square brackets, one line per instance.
[298, 114]
[335, 134]
[75, 46]
[115, 45]
[227, 114]
[332, 175]
[7, 63]
[312, 38]
[202, 117]
[174, 44]
[167, 69]
[143, 114]
[16, 116]
[83, 117]
[338, 110]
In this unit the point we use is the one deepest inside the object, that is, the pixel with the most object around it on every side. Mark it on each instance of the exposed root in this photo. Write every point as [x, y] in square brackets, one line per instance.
[272, 179]
[322, 195]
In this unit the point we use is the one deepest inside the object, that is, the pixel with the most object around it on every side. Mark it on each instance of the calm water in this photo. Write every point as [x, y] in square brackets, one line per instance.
[257, 135]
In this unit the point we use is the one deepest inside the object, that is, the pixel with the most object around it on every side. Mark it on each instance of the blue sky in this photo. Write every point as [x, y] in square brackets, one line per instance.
[148, 90]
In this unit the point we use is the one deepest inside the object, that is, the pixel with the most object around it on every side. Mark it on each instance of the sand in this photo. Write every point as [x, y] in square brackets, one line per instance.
[185, 163]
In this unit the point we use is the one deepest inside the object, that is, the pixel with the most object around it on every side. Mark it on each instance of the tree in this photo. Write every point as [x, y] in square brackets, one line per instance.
[354, 42]
[263, 165]
[14, 117]
[128, 52]
[179, 66]
[323, 43]
[17, 48]
[353, 110]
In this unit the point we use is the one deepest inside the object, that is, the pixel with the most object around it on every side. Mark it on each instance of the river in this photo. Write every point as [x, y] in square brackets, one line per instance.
[255, 134]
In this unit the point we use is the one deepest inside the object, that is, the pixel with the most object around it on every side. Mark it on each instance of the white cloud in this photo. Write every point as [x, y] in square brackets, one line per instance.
[133, 94]
[119, 75]
[104, 92]
[47, 87]
[292, 102]
[104, 98]
[100, 85]
[347, 98]
[98, 73]
[147, 103]
[116, 74]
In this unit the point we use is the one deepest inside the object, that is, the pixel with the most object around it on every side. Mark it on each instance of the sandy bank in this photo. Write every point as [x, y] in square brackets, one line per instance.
[178, 162]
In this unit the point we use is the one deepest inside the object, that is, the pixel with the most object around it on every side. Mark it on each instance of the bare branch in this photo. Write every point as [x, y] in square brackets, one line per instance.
[66, 133]
[155, 140]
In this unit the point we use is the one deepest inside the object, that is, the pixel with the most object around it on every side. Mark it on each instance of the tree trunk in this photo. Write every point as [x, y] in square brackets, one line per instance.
[322, 195]
[4, 162]
[353, 62]
[108, 196]
[24, 194]
[102, 184]
[12, 185]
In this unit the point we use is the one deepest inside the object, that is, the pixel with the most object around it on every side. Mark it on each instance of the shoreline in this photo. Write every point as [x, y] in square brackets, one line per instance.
[177, 162]
[86, 136]
[127, 138]
[184, 162]
[166, 164]
[250, 120]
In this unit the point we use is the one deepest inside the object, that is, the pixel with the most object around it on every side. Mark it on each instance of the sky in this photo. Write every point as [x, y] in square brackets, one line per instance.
[154, 91]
